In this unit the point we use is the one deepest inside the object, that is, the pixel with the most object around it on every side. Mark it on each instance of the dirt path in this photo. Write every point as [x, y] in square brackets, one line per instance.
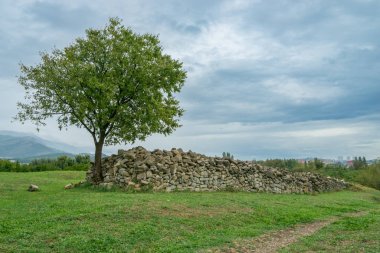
[271, 242]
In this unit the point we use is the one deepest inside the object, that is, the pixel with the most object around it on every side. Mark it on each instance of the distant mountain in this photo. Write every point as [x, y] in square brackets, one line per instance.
[26, 147]
[15, 145]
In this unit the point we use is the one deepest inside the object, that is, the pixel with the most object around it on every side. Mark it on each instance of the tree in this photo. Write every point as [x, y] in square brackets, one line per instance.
[365, 164]
[83, 159]
[227, 155]
[360, 163]
[318, 164]
[116, 84]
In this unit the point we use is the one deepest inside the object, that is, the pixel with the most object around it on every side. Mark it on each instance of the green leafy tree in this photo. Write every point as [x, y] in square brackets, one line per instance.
[83, 159]
[227, 155]
[360, 163]
[365, 164]
[318, 164]
[116, 84]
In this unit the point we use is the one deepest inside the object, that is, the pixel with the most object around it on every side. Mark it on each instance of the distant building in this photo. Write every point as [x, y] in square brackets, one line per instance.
[301, 161]
[328, 161]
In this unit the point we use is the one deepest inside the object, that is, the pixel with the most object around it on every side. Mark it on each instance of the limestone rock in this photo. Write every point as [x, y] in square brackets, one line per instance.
[33, 188]
[179, 170]
[69, 186]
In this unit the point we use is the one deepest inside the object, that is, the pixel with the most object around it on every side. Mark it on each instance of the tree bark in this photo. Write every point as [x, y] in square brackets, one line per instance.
[98, 173]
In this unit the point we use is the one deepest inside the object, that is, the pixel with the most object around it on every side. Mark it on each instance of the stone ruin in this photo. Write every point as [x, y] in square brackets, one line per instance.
[177, 170]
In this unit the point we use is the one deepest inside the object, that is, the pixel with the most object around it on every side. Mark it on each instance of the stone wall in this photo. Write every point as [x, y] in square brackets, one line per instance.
[178, 170]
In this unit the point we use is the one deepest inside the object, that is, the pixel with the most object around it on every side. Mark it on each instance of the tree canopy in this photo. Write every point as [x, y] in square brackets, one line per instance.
[116, 84]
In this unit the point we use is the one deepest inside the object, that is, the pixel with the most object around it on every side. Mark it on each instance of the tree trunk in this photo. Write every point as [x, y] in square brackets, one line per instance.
[98, 173]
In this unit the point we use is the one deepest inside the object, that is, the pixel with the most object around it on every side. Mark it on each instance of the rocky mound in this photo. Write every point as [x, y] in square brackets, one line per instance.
[179, 170]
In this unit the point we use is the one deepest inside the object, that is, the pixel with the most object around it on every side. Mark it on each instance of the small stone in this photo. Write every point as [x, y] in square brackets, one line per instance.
[33, 188]
[130, 155]
[141, 176]
[144, 182]
[79, 183]
[149, 160]
[69, 186]
[177, 158]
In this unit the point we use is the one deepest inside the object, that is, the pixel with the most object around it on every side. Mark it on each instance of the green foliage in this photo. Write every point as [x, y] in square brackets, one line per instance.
[359, 163]
[117, 84]
[291, 164]
[339, 171]
[7, 166]
[370, 177]
[79, 163]
[112, 82]
[227, 155]
[318, 164]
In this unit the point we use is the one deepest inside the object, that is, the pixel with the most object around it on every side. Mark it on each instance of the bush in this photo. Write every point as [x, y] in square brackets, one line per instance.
[78, 163]
[291, 164]
[370, 177]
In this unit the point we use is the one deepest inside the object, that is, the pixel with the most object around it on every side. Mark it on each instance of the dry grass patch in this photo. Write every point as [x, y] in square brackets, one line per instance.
[185, 211]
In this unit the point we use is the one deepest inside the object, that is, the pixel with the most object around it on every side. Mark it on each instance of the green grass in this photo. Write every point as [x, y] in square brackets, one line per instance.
[88, 220]
[350, 234]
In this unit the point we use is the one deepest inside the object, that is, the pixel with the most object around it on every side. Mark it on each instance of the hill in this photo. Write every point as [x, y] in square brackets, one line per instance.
[26, 147]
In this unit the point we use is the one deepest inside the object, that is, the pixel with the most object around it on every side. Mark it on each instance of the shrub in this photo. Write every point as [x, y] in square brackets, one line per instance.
[370, 177]
[80, 162]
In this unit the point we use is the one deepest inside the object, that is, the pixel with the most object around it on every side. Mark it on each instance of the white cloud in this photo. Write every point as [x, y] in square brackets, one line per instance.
[300, 92]
[322, 133]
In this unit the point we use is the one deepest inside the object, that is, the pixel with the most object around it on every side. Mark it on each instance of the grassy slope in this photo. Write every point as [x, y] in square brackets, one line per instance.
[86, 220]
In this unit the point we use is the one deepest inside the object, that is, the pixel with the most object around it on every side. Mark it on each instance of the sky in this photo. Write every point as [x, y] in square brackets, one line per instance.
[266, 79]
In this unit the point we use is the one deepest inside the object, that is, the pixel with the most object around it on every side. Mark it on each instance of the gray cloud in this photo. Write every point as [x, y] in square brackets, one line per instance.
[265, 78]
[61, 17]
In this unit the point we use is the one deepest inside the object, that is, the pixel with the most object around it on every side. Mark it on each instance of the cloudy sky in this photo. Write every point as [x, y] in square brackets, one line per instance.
[266, 79]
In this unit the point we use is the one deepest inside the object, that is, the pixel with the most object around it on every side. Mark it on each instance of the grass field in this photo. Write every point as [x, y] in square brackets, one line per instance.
[90, 220]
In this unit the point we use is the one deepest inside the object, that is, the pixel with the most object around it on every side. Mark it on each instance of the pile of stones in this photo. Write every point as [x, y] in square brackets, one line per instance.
[164, 170]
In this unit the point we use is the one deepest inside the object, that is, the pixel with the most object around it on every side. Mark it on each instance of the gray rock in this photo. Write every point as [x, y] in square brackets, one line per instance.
[176, 169]
[69, 186]
[144, 182]
[33, 188]
[141, 176]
